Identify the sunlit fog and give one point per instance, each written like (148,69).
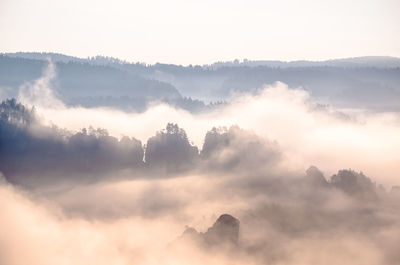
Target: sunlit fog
(112,160)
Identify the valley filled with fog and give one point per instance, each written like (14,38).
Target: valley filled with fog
(245,162)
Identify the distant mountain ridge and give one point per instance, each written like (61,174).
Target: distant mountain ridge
(363,61)
(371,82)
(91,85)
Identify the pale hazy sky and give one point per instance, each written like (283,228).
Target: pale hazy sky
(199,32)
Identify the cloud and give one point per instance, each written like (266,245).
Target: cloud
(46,154)
(40,92)
(235,149)
(136,221)
(126,201)
(30,149)
(306,131)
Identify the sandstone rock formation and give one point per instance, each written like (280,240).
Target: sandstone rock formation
(225,231)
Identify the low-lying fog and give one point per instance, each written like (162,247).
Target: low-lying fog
(124,193)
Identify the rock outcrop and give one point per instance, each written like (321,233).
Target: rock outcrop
(225,231)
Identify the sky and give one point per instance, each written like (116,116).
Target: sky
(201,32)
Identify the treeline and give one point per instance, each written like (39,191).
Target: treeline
(27,147)
(30,152)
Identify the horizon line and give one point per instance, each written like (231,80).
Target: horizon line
(235,60)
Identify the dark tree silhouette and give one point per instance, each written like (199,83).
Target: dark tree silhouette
(170,149)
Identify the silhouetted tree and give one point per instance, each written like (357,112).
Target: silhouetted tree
(170,149)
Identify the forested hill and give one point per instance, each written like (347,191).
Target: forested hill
(364,82)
